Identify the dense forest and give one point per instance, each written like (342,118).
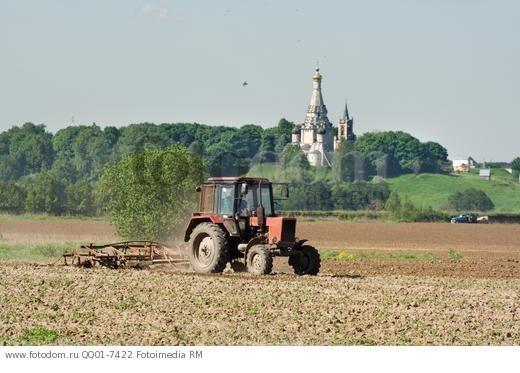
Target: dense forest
(58,173)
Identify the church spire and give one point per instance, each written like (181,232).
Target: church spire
(346,126)
(315,134)
(317,111)
(345,113)
(316,105)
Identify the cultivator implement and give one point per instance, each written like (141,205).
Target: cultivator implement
(236,223)
(125,254)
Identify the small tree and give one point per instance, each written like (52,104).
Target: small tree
(406,211)
(294,166)
(349,167)
(44,194)
(315,196)
(80,198)
(516,164)
(12,197)
(471,199)
(150,193)
(393,204)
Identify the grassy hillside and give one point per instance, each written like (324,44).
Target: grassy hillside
(434,189)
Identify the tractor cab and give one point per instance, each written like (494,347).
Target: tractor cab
(236,197)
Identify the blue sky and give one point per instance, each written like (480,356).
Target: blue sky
(446,71)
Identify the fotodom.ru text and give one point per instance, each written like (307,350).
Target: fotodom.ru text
(105,354)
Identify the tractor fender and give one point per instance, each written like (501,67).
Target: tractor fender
(196,220)
(252,242)
(299,244)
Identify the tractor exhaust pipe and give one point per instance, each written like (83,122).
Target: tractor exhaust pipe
(260,215)
(260,211)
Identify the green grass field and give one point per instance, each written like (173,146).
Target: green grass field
(342,255)
(46,217)
(434,189)
(44,252)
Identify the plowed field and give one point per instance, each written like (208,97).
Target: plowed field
(482,250)
(130,307)
(391,284)
(470,238)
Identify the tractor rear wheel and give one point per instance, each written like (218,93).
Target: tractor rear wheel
(259,260)
(208,248)
(306,262)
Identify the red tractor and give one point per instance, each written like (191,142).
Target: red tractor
(237,222)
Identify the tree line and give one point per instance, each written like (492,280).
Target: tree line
(42,172)
(81,152)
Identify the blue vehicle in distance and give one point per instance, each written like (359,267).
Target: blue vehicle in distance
(464,218)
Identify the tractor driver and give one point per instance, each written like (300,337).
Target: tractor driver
(246,205)
(244,211)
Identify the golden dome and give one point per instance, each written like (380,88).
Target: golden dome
(317,75)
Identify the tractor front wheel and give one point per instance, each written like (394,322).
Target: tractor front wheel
(208,248)
(306,261)
(259,260)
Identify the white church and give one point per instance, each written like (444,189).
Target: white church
(315,135)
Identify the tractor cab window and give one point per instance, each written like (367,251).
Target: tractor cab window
(226,198)
(248,203)
(207,197)
(266,200)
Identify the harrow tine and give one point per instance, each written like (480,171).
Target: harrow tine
(120,254)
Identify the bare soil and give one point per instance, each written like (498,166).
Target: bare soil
(486,250)
(463,268)
(56,231)
(64,305)
(472,299)
(343,235)
(437,237)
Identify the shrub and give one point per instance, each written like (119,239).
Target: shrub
(12,197)
(150,193)
(45,194)
(316,196)
(406,211)
(80,198)
(453,255)
(515,164)
(471,199)
(393,204)
(360,196)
